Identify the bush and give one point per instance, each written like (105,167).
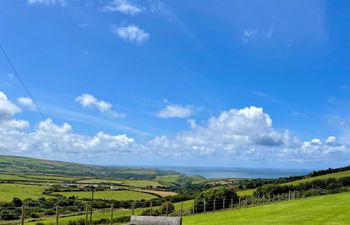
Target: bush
(167,207)
(217,193)
(155,212)
(34,215)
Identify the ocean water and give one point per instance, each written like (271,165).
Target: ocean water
(222,172)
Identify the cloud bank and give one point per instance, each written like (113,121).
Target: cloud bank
(244,134)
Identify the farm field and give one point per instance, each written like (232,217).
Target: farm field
(99,181)
(140,183)
(160,193)
(115,195)
(169,178)
(9,191)
(12,177)
(328,209)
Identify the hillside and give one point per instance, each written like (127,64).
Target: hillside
(320,177)
(16,164)
(307,178)
(327,209)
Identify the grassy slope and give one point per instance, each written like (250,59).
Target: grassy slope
(9,191)
(326,176)
(328,209)
(170,178)
(116,195)
(16,164)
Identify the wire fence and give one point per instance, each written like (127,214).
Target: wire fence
(91,216)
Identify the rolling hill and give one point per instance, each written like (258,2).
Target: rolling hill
(16,165)
(336,175)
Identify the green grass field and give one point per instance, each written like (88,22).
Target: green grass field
(246,192)
(141,183)
(321,210)
(116,195)
(99,181)
(12,177)
(9,191)
(170,178)
(309,179)
(326,176)
(49,178)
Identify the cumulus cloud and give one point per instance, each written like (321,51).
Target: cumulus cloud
(176,111)
(47,2)
(240,134)
(7,108)
(62,139)
(90,101)
(131,33)
(232,131)
(123,6)
(26,103)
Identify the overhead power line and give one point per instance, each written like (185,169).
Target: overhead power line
(26,89)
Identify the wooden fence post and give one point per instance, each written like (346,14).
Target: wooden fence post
(90,214)
(56,214)
(223,203)
(112,208)
(193,208)
(239,202)
(132,208)
(22,215)
(167,205)
(150,211)
(214,204)
(182,205)
(204,206)
(231,205)
(86,214)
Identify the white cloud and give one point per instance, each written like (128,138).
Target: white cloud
(233,130)
(123,6)
(255,34)
(176,111)
(331,140)
(14,124)
(47,2)
(131,33)
(88,100)
(26,103)
(7,108)
(61,139)
(239,134)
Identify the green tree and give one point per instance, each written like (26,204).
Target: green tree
(217,193)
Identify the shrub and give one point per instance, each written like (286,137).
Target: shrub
(217,193)
(167,207)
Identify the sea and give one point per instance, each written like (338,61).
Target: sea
(234,172)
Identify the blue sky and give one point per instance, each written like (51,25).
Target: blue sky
(224,83)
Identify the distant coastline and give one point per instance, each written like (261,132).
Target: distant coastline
(232,172)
